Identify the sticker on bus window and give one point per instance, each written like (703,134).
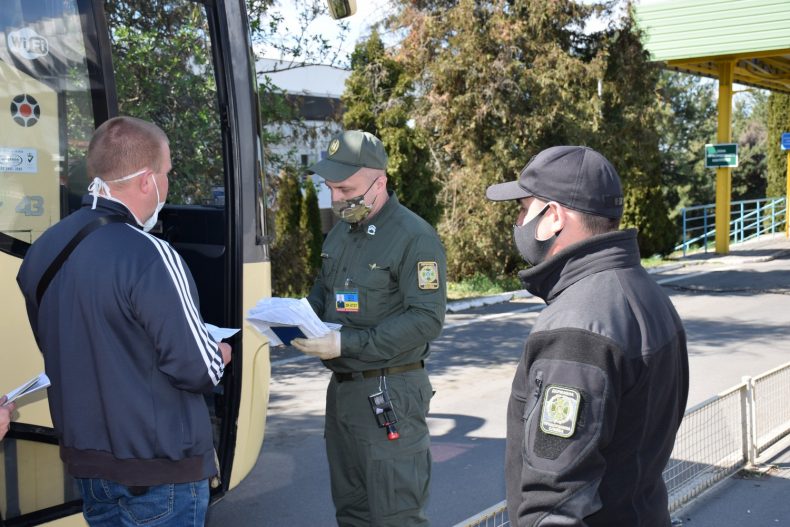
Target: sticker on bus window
(27,44)
(25,110)
(19,160)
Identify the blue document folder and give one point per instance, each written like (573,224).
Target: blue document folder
(288,333)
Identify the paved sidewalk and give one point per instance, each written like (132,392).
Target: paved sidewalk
(762,249)
(756,497)
(751,498)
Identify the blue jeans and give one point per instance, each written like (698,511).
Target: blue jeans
(110,504)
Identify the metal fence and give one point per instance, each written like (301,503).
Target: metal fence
(748,219)
(710,446)
(717,438)
(772,413)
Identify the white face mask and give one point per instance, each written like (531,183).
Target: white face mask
(150,222)
(100,187)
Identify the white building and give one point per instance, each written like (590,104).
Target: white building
(316,89)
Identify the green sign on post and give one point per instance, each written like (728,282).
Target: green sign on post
(721,155)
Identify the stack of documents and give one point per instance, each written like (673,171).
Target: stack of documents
(282,319)
(39,382)
(220,334)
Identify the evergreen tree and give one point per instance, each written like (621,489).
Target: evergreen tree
(289,265)
(311,227)
(629,140)
(499,81)
(778,123)
(379,99)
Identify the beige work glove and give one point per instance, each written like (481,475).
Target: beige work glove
(325,348)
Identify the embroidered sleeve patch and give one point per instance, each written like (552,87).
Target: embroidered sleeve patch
(560,411)
(428,275)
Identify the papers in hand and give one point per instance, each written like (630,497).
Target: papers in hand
(35,384)
(281,319)
(220,334)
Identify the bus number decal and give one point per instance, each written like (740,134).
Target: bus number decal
(31,206)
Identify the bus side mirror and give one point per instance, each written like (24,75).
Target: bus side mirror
(341,8)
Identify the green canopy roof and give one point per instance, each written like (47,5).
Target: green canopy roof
(696,35)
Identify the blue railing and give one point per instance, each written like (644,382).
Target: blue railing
(748,219)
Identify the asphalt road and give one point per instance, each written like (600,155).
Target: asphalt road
(735,314)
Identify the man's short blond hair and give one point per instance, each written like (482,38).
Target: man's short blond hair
(123,145)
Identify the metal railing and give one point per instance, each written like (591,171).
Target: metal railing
(710,445)
(717,438)
(772,413)
(748,219)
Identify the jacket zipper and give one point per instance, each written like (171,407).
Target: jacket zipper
(537,393)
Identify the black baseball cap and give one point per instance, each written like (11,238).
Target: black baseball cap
(574,176)
(348,152)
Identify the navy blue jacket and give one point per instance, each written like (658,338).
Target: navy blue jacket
(127,352)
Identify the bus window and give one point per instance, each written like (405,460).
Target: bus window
(46,119)
(164,73)
(66,66)
(46,113)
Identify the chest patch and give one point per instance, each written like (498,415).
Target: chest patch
(428,275)
(560,410)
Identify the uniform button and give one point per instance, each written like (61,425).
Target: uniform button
(344,269)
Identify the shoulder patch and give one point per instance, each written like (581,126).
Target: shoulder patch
(428,275)
(560,410)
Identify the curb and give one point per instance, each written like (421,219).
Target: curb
(462,305)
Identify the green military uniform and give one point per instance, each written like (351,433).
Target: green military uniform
(384,280)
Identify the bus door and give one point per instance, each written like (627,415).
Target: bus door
(66,66)
(187,65)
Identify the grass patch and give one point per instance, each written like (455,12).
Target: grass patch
(655,261)
(481,285)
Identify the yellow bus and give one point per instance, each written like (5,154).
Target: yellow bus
(66,66)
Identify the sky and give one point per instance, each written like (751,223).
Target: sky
(368,13)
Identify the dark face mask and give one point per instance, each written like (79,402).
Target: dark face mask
(355,209)
(533,251)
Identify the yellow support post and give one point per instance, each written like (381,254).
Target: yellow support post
(787,199)
(724,174)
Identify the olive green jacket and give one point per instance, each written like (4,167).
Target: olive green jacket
(384,280)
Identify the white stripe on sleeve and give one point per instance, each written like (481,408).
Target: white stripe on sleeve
(209,352)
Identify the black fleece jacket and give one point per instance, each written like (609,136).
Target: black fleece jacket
(599,392)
